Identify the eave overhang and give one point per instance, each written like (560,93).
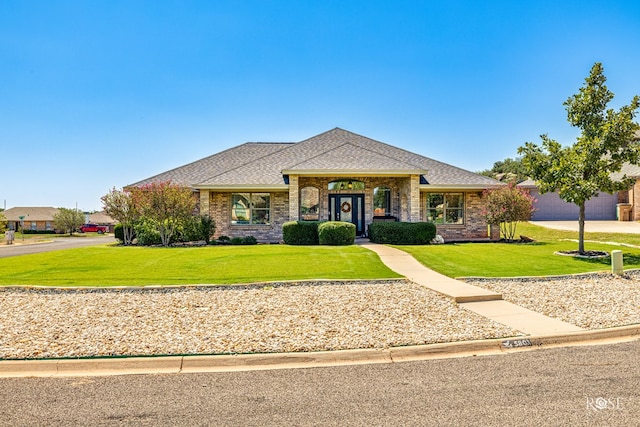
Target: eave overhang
(245,187)
(471,187)
(354,172)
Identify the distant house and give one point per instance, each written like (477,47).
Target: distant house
(41,218)
(101,218)
(254,188)
(35,218)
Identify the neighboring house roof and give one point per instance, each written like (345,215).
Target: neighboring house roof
(30,213)
(100,218)
(336,152)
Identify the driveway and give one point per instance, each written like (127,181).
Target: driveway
(629,227)
(53,245)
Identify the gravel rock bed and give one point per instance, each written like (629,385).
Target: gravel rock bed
(591,301)
(305,316)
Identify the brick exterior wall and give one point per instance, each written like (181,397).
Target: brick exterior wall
(474,227)
(220,211)
(407,204)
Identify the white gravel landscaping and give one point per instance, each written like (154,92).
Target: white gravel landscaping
(305,316)
(591,301)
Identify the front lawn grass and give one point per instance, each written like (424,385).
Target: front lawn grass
(530,259)
(136,266)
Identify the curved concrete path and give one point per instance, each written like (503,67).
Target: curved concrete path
(473,298)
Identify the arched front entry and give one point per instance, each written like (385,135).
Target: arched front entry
(348,208)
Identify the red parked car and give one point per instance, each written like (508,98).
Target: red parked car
(93,228)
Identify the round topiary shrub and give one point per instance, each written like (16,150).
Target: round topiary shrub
(300,232)
(336,233)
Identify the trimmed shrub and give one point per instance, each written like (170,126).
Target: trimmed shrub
(118,232)
(402,233)
(336,233)
(147,233)
(236,241)
(300,232)
(249,240)
(38,232)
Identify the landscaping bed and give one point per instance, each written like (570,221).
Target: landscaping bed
(276,317)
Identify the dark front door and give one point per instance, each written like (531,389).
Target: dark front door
(347,208)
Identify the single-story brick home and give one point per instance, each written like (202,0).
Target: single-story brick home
(41,218)
(36,218)
(254,188)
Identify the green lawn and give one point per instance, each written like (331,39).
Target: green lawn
(125,266)
(531,259)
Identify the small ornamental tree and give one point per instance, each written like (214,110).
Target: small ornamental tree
(68,220)
(166,205)
(605,144)
(118,204)
(3,222)
(506,206)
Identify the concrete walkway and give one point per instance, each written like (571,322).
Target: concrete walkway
(630,227)
(473,298)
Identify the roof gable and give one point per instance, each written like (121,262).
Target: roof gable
(337,151)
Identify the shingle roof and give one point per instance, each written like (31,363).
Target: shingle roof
(30,213)
(263,164)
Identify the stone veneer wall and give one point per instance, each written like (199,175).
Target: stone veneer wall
(219,207)
(220,211)
(474,227)
(398,186)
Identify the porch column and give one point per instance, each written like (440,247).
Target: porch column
(204,202)
(294,199)
(414,202)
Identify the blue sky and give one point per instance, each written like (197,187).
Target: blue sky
(101,94)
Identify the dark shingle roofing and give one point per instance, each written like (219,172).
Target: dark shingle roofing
(337,150)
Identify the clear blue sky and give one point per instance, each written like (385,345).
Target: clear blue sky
(97,94)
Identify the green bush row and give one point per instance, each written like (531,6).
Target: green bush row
(194,229)
(317,232)
(402,233)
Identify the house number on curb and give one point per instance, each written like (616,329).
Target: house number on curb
(516,343)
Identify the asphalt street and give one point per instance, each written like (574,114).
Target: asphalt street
(589,385)
(54,245)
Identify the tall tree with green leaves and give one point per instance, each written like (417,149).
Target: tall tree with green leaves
(68,220)
(605,144)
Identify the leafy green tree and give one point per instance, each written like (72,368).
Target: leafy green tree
(68,220)
(118,204)
(605,144)
(506,206)
(166,205)
(3,221)
(508,170)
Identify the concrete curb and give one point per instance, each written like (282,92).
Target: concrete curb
(249,362)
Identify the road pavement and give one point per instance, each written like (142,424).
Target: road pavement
(589,385)
(55,244)
(632,227)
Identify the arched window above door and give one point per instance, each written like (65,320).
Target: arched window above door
(346,184)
